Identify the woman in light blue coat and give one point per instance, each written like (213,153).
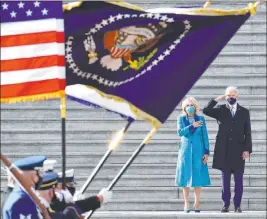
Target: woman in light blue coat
(192,169)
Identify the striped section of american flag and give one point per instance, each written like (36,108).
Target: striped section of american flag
(32,50)
(119,53)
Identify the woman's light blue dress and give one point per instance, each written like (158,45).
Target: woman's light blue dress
(194,143)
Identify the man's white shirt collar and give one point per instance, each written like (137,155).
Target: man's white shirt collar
(232,106)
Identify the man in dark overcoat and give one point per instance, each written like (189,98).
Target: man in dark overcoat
(233,143)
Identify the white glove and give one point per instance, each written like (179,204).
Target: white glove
(78,196)
(106,195)
(67,196)
(60,196)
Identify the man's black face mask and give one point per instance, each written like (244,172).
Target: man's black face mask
(39,182)
(71,189)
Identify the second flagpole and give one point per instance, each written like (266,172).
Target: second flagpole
(63,136)
(127,164)
(114,143)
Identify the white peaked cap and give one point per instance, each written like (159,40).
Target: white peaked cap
(48,165)
(68,173)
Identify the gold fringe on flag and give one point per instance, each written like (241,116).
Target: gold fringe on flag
(140,114)
(126,5)
(45,96)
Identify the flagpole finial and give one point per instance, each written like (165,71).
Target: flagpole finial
(71,5)
(258,3)
(207,4)
(150,135)
(253,7)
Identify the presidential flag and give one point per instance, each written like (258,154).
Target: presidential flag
(32,50)
(141,64)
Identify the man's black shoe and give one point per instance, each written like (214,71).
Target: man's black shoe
(225,209)
(238,210)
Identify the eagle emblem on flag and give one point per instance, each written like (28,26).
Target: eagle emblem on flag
(122,43)
(109,47)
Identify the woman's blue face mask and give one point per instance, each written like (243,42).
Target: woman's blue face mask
(190,109)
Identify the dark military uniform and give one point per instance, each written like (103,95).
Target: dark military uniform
(88,204)
(19,205)
(5,196)
(85,205)
(70,211)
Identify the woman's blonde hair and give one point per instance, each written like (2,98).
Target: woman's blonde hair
(191,100)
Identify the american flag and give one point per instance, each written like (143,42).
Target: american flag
(32,50)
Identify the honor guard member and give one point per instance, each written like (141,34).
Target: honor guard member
(11,181)
(69,181)
(47,194)
(57,203)
(49,165)
(84,204)
(19,205)
(10,185)
(63,198)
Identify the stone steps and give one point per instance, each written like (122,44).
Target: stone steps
(256,40)
(49,105)
(143,158)
(236,68)
(234,57)
(166,204)
(81,112)
(244,44)
(216,89)
(150,193)
(80,124)
(100,146)
(225,3)
(252,36)
(138,127)
(155,180)
(108,117)
(189,2)
(258,116)
(176,215)
(229,5)
(147,190)
(139,193)
(84,134)
(152,169)
(218,79)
